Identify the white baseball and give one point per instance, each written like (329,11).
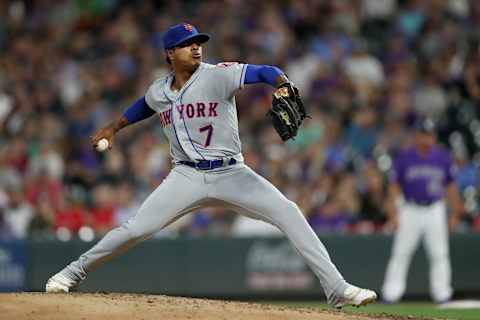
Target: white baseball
(102,145)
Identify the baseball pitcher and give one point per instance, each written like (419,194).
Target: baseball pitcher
(422,177)
(196,108)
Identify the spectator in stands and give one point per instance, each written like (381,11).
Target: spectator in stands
(125,204)
(366,72)
(42,223)
(18,213)
(372,196)
(103,208)
(70,214)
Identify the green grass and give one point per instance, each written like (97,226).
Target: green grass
(416,309)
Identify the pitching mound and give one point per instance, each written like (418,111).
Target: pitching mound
(114,306)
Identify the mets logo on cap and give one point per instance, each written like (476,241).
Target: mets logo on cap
(182,32)
(188,27)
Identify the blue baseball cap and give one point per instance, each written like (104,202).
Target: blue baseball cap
(180,33)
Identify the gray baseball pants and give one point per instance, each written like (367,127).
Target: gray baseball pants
(237,187)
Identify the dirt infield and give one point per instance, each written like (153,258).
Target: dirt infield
(114,306)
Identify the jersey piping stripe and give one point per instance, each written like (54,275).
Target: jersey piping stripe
(189,83)
(175,131)
(236,139)
(188,134)
(242,76)
(173,121)
(184,124)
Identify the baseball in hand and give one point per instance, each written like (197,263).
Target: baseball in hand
(102,145)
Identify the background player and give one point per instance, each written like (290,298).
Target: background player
(421,177)
(197,111)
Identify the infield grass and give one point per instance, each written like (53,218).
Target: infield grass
(418,310)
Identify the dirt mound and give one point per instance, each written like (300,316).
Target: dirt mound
(114,306)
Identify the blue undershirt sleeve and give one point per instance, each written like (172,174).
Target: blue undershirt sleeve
(138,111)
(262,74)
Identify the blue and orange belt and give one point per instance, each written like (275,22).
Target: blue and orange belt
(209,164)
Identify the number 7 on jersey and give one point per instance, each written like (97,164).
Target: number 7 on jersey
(209,130)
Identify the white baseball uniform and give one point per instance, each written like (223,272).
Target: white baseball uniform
(200,122)
(422,215)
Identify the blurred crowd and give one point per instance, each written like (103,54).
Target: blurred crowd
(366,69)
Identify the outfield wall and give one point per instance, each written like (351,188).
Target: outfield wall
(240,268)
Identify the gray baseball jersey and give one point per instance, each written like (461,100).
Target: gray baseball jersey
(200,120)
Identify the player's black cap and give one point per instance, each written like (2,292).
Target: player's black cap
(180,33)
(425,125)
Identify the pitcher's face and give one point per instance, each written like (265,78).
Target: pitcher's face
(187,55)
